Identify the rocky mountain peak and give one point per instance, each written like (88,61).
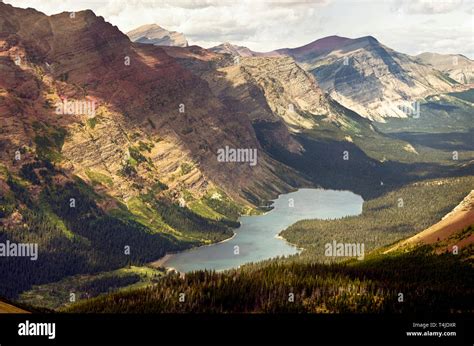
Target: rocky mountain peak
(158,36)
(232,49)
(364,75)
(455,66)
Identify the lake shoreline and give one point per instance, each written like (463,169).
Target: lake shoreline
(161,262)
(278,236)
(259,236)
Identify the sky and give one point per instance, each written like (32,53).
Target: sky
(408,26)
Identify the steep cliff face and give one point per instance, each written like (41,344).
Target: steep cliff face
(456,66)
(368,77)
(295,121)
(146,106)
(108,145)
(158,36)
(290,93)
(275,93)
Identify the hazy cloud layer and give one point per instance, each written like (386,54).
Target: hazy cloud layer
(410,26)
(427,6)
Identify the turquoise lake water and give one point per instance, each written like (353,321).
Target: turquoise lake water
(256,239)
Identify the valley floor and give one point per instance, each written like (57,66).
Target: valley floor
(423,271)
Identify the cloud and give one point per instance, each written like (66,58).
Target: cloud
(264,25)
(426,6)
(193,4)
(295,3)
(446,39)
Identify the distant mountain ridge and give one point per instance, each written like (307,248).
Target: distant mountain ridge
(320,46)
(368,77)
(158,36)
(232,49)
(371,79)
(456,66)
(229,48)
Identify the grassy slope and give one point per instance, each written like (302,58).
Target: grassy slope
(6,308)
(58,294)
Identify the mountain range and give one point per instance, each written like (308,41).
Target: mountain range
(110,140)
(388,82)
(369,78)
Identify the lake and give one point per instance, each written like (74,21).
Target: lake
(256,239)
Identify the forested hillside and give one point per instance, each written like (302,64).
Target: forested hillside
(102,194)
(76,234)
(413,282)
(393,216)
(421,278)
